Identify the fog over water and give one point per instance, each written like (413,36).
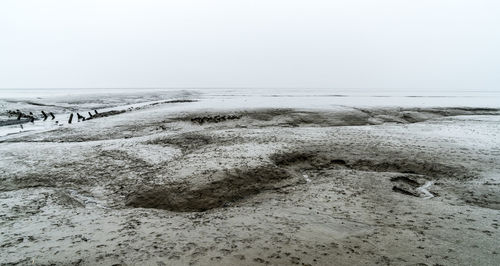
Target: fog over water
(395,44)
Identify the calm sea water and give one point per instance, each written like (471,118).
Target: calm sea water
(303,98)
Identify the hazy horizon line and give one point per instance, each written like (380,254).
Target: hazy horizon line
(236,87)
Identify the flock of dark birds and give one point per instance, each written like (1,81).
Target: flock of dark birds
(214,119)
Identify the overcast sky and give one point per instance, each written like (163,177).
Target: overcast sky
(452,44)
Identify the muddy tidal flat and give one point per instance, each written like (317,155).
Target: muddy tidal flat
(249,177)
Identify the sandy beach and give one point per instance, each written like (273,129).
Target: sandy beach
(220,177)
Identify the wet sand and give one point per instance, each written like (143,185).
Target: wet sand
(251,186)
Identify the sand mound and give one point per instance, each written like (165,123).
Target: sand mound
(234,185)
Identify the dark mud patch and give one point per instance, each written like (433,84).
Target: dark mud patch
(269,117)
(231,186)
(40,104)
(461,110)
(177,101)
(405,185)
(305,160)
(106,114)
(406,180)
(412,166)
(405,191)
(187,142)
(13,122)
(296,118)
(214,119)
(321,159)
